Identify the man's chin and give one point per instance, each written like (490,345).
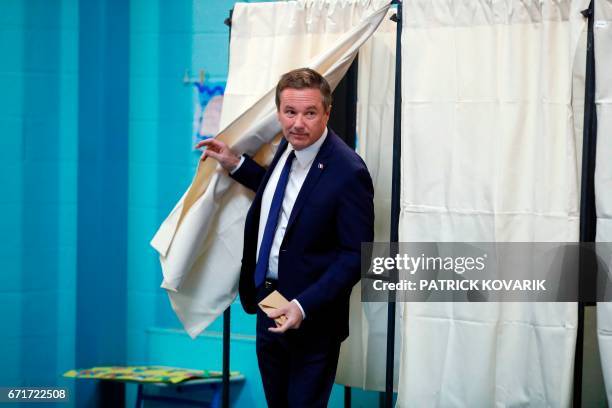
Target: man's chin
(298,142)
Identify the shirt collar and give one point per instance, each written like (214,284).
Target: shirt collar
(307,154)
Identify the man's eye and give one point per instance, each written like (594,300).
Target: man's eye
(310,114)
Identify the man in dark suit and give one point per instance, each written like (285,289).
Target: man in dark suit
(312,209)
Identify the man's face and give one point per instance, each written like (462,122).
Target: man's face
(302,116)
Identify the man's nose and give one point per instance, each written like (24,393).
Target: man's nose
(299,121)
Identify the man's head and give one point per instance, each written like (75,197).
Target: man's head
(303,102)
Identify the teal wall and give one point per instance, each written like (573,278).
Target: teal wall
(102,193)
(167,39)
(95,150)
(38,176)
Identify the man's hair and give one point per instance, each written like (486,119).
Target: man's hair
(303,78)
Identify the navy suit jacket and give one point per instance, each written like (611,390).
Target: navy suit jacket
(319,259)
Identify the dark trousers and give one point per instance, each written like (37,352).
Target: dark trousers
(297,369)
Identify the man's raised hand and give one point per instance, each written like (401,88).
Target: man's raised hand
(220,152)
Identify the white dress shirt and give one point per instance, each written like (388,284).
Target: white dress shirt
(299,169)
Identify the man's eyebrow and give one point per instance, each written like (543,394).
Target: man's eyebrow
(313,107)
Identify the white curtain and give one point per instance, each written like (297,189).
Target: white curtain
(362,357)
(603,168)
(200,243)
(489,153)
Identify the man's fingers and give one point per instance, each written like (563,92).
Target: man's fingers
(282,328)
(212,144)
(209,141)
(203,143)
(273,314)
(290,319)
(220,152)
(211,153)
(280,319)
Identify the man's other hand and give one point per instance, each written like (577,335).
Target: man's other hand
(220,152)
(294,317)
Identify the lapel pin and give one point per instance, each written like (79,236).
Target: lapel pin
(321,166)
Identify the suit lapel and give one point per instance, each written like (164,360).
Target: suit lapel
(317,168)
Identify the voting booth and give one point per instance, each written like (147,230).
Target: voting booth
(479,121)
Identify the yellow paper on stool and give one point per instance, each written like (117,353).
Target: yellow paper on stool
(274,301)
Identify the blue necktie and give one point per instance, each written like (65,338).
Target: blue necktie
(268,237)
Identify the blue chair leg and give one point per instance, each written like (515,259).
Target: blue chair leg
(139,397)
(216,399)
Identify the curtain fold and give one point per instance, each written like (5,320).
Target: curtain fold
(361,363)
(602,31)
(489,153)
(200,242)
